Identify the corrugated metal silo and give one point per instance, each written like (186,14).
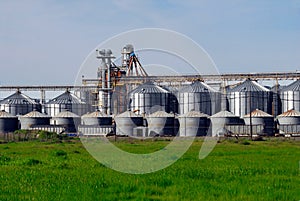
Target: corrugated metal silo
(34,118)
(259,117)
(199,96)
(161,123)
(19,104)
(221,119)
(8,122)
(194,123)
(248,96)
(290,117)
(148,98)
(289,122)
(67,119)
(126,122)
(277,104)
(290,96)
(66,102)
(96,119)
(173,99)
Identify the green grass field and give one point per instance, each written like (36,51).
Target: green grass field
(267,170)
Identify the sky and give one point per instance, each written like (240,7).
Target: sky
(45,42)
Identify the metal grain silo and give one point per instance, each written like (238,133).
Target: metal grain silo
(96,119)
(19,104)
(126,122)
(221,119)
(148,98)
(161,123)
(290,96)
(290,117)
(34,118)
(248,96)
(8,122)
(66,102)
(193,123)
(66,119)
(259,117)
(199,96)
(276,104)
(289,122)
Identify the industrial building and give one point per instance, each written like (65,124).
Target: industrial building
(125,100)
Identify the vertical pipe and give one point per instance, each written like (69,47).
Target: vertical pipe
(108,85)
(43,98)
(251,131)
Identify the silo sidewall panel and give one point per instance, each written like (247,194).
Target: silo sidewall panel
(8,125)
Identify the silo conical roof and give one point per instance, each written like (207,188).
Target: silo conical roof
(222,114)
(36,114)
(66,98)
(128,114)
(161,114)
(18,98)
(248,85)
(95,114)
(290,113)
(194,114)
(197,87)
(66,114)
(295,86)
(258,113)
(149,87)
(4,114)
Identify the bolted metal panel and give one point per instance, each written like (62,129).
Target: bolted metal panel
(199,97)
(290,96)
(249,96)
(148,98)
(66,102)
(19,104)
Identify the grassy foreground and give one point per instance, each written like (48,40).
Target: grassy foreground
(266,170)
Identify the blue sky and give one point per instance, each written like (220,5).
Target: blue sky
(45,42)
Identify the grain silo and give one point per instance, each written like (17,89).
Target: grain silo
(126,122)
(34,118)
(148,98)
(248,96)
(193,123)
(96,118)
(96,123)
(290,117)
(264,119)
(67,119)
(199,96)
(290,97)
(66,102)
(220,120)
(289,122)
(276,104)
(19,104)
(161,123)
(8,122)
